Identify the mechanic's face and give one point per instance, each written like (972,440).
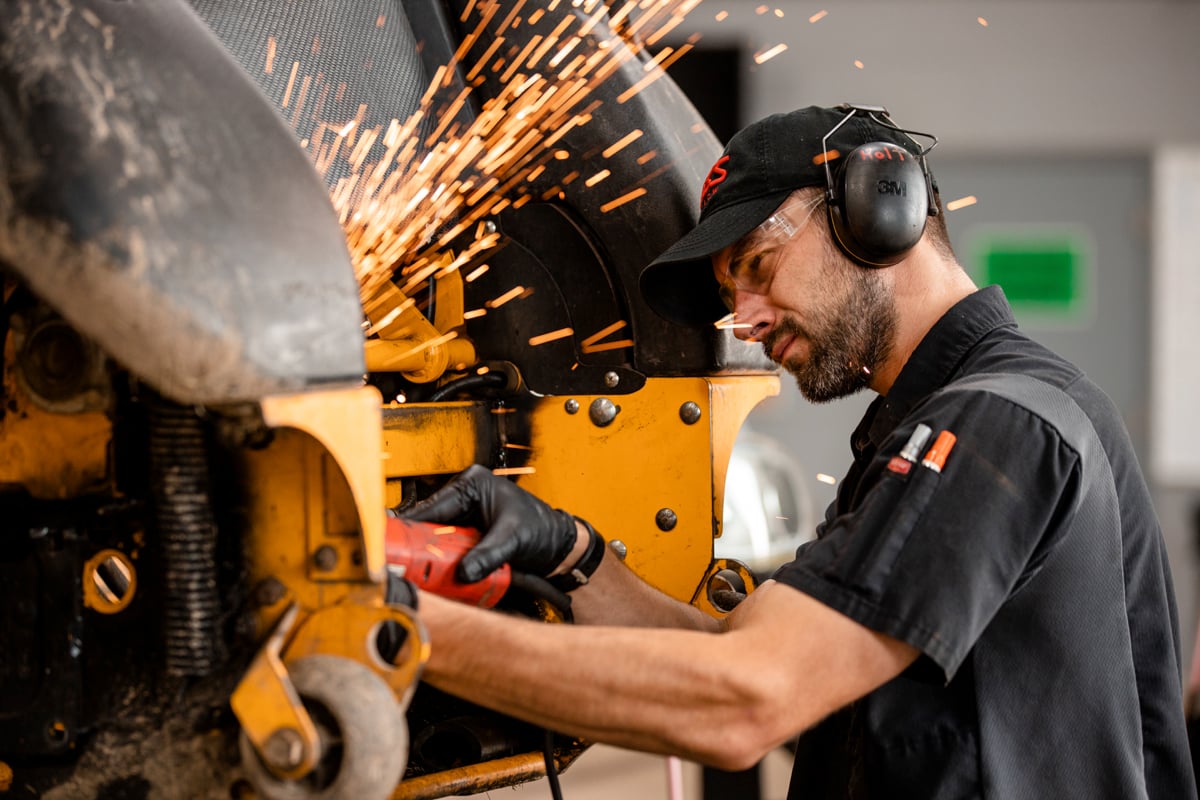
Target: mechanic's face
(827,321)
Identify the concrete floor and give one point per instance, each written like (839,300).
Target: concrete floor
(604,773)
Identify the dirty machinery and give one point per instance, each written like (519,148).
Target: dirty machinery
(198,444)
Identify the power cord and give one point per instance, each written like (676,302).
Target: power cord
(551,768)
(561,602)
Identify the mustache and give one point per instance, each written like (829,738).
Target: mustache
(786,328)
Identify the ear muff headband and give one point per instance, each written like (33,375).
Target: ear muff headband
(880,194)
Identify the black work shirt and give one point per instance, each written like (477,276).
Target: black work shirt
(1030,573)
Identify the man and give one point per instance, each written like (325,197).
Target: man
(994,620)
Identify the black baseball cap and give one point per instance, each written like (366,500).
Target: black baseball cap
(762,164)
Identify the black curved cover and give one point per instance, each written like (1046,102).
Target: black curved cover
(154,197)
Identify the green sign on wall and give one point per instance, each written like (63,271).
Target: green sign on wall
(1045,274)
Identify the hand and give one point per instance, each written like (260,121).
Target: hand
(518,528)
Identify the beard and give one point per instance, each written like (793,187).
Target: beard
(847,340)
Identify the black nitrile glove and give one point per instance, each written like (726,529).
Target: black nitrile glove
(517,527)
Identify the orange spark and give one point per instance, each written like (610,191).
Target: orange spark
(270,65)
(404,208)
(767,55)
(722,16)
(817,17)
(858,63)
(514,471)
(600,348)
(621,143)
(622,200)
(552,336)
(600,334)
(728,322)
(982,21)
(599,176)
(962,202)
(504,298)
(287,93)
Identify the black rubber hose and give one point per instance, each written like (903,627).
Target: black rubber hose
(541,589)
(487,379)
(551,770)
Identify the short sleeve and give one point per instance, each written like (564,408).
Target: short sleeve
(928,557)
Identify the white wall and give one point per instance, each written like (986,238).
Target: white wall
(1044,76)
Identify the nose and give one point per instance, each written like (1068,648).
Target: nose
(751,316)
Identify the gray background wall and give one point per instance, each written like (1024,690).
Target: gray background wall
(1049,115)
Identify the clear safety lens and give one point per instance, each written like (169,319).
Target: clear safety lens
(755,260)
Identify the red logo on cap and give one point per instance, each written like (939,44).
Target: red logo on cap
(716,176)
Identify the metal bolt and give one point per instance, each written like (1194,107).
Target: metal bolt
(666,519)
(572,406)
(611,379)
(325,558)
(489,226)
(618,547)
(689,412)
(284,749)
(269,592)
(603,411)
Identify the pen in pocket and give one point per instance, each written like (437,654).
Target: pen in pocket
(902,463)
(935,458)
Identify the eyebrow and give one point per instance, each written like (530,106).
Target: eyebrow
(740,264)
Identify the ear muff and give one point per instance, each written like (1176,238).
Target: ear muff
(879,196)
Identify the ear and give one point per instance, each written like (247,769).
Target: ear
(879,203)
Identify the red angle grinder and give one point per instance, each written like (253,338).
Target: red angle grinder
(429,555)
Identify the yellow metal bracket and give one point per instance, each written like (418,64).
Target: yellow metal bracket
(351,629)
(265,701)
(348,423)
(407,342)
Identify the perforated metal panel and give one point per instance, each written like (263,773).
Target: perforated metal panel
(325,63)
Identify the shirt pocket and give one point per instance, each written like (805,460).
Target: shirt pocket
(889,524)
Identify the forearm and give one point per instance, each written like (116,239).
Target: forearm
(725,699)
(615,595)
(671,692)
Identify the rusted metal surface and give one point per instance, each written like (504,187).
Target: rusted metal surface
(484,777)
(155,199)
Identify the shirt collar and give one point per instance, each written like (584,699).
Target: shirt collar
(933,363)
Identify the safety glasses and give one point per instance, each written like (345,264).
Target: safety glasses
(756,258)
